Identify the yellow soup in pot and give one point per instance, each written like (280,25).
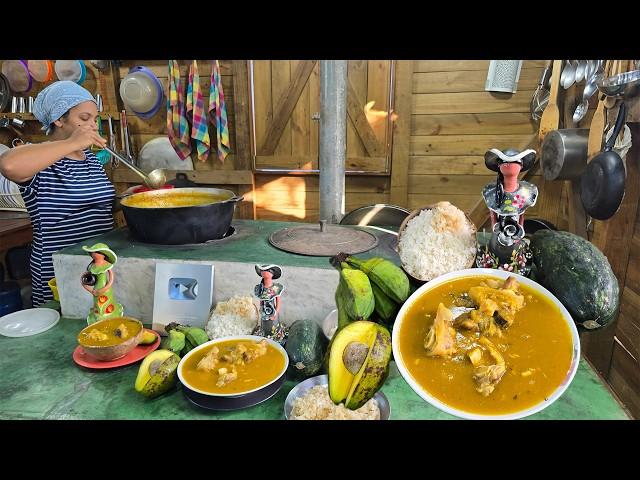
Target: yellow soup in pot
(233,366)
(176,199)
(537,349)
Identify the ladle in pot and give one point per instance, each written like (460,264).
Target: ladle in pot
(155,179)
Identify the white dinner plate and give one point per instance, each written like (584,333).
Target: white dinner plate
(28,322)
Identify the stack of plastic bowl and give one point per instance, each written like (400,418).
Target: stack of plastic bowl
(73,70)
(141,91)
(18,75)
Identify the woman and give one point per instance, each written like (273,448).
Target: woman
(66,191)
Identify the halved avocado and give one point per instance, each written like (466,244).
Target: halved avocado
(348,346)
(157,373)
(374,372)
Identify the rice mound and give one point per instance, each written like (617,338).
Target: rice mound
(236,316)
(317,405)
(437,241)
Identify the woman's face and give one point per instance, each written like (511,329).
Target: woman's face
(85,113)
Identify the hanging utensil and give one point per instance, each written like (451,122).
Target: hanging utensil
(568,74)
(112,142)
(540,97)
(155,179)
(582,108)
(551,115)
(602,182)
(581,69)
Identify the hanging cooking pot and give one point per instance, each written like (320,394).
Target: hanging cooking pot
(602,182)
(179,216)
(564,153)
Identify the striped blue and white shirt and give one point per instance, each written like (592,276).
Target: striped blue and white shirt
(68,202)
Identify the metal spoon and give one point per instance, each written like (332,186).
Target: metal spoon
(581,70)
(155,179)
(568,75)
(589,89)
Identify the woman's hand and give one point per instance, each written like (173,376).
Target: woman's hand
(84,136)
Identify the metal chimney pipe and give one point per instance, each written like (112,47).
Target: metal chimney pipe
(333,138)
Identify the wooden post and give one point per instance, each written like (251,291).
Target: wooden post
(243,152)
(401,129)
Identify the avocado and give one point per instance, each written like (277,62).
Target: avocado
(148,337)
(359,358)
(157,373)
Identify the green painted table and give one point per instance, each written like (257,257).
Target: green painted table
(41,381)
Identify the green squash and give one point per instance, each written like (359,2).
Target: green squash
(579,275)
(306,346)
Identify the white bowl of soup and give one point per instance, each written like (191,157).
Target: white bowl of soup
(250,363)
(512,352)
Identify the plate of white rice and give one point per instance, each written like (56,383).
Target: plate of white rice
(435,240)
(236,316)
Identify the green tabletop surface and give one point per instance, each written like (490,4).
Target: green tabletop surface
(250,244)
(40,380)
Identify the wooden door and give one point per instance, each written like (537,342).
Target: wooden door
(286,107)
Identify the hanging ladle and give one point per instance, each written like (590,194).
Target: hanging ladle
(155,179)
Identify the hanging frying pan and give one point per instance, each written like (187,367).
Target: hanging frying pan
(602,181)
(5,93)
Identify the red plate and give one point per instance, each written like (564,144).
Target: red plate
(138,353)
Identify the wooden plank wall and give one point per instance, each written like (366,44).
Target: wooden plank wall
(454,121)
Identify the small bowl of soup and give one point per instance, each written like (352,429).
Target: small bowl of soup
(112,338)
(233,367)
(486,344)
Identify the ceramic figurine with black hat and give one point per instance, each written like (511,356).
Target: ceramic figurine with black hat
(507,199)
(268,294)
(98,281)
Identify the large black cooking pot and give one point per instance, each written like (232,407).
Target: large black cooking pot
(179,216)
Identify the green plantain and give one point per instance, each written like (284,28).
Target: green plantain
(195,335)
(174,342)
(385,307)
(356,292)
(384,273)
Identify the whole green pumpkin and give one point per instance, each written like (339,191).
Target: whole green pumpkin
(579,275)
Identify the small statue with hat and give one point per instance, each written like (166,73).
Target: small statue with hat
(98,280)
(268,294)
(507,199)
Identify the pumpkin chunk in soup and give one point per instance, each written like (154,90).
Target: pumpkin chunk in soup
(489,374)
(233,366)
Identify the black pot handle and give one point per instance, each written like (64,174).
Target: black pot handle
(622,114)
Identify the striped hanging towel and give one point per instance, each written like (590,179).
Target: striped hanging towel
(177,124)
(218,110)
(198,114)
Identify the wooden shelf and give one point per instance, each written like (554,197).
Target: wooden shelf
(29,116)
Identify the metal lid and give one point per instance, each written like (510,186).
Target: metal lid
(323,241)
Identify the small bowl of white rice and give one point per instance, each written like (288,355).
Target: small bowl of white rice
(435,240)
(309,400)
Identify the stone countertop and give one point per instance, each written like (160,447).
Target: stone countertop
(41,381)
(250,244)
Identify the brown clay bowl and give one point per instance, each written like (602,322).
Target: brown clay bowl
(413,214)
(107,353)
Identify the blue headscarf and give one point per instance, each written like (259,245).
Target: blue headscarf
(57,99)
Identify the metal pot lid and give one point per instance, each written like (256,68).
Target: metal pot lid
(323,240)
(5,92)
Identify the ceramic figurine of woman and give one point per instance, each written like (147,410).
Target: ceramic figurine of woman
(507,199)
(268,294)
(98,280)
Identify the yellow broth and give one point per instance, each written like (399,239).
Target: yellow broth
(108,327)
(539,338)
(252,375)
(175,199)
